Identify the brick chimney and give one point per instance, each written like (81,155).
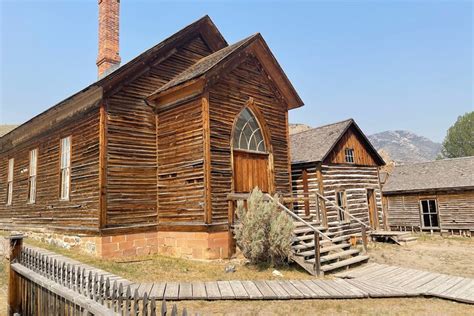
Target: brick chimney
(108,58)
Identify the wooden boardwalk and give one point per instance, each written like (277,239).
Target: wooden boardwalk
(371,280)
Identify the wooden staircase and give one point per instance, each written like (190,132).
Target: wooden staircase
(335,252)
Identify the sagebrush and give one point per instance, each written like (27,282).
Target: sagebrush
(264,232)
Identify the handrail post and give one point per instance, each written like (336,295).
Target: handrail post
(14,296)
(231,220)
(317,254)
(364,237)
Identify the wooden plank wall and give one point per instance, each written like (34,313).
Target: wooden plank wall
(80,213)
(227,98)
(297,187)
(355,180)
(351,140)
(456,209)
(180,164)
(132,146)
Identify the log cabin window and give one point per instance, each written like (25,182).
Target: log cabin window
(349,155)
(247,133)
(429,213)
(65,172)
(32,176)
(341,202)
(11,163)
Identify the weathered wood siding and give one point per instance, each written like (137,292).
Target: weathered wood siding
(180,164)
(80,213)
(297,186)
(227,99)
(351,139)
(354,180)
(132,184)
(455,209)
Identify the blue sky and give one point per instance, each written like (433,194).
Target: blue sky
(388,64)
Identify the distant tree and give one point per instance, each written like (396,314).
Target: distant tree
(459,141)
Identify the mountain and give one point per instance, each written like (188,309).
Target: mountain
(5,128)
(404,146)
(296,128)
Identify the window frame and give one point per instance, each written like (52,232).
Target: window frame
(429,213)
(239,133)
(32,177)
(341,215)
(349,153)
(65,171)
(10,178)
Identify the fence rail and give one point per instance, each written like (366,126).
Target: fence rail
(42,285)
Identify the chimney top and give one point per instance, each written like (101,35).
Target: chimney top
(108,58)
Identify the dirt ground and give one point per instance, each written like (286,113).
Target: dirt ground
(451,255)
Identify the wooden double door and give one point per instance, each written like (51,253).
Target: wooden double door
(250,171)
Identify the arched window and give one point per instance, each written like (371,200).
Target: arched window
(247,133)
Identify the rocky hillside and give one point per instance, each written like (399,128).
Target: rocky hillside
(296,128)
(5,128)
(404,146)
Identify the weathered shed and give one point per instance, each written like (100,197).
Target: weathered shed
(436,195)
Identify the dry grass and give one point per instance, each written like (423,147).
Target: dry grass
(450,255)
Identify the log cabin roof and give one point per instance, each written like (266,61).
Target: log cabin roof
(315,144)
(438,175)
(214,64)
(91,95)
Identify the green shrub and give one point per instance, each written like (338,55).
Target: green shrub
(264,233)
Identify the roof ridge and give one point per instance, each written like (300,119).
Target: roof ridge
(322,126)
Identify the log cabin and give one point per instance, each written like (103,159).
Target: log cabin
(339,163)
(142,160)
(432,196)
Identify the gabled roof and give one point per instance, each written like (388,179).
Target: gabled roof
(215,63)
(314,145)
(92,94)
(438,175)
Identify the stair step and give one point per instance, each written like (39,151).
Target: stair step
(306,229)
(301,224)
(311,237)
(323,249)
(336,255)
(344,263)
(334,240)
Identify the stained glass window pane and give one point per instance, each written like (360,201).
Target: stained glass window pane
(247,133)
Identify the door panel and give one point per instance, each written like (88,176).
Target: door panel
(250,170)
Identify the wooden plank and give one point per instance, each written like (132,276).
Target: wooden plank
(266,291)
(158,290)
(171,291)
(324,285)
(252,290)
(371,290)
(307,293)
(226,290)
(357,292)
(448,284)
(278,290)
(422,281)
(185,291)
(199,290)
(145,288)
(239,290)
(459,288)
(212,290)
(425,288)
(319,292)
(291,289)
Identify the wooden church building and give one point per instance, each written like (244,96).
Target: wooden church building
(142,160)
(338,162)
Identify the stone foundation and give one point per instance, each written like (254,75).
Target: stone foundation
(191,245)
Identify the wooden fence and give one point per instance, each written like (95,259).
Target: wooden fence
(41,285)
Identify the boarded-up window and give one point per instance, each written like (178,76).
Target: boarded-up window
(32,176)
(349,155)
(11,163)
(65,174)
(429,213)
(341,202)
(247,133)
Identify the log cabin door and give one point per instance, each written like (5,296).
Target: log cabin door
(250,155)
(373,218)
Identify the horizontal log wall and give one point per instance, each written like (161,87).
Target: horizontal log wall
(298,190)
(354,180)
(132,146)
(80,213)
(227,99)
(455,209)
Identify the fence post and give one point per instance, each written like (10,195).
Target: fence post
(14,302)
(364,237)
(317,254)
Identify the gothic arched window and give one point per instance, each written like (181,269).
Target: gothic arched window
(247,133)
